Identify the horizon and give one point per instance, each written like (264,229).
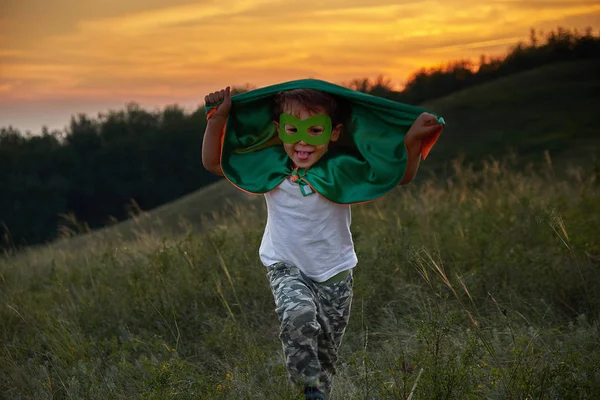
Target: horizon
(93,57)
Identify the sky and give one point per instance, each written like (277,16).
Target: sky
(63,57)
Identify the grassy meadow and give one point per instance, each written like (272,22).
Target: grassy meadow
(478,281)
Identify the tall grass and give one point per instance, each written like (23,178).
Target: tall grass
(483,285)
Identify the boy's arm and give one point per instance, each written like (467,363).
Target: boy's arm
(211,145)
(413,147)
(424,127)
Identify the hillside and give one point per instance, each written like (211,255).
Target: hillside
(551,108)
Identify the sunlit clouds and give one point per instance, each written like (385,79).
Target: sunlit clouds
(156,55)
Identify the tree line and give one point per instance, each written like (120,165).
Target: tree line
(98,169)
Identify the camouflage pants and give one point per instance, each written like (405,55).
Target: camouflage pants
(313,319)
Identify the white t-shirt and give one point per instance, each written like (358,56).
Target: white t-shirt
(308,232)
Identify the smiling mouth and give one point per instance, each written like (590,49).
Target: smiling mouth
(303,155)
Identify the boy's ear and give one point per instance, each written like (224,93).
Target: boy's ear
(276,123)
(336,132)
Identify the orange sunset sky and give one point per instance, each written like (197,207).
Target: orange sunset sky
(61,57)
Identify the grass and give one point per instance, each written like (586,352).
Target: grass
(477,282)
(484,285)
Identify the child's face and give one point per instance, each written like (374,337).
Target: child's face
(304,155)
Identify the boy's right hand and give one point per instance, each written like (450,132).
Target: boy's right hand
(223,96)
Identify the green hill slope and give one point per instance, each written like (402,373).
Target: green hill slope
(551,108)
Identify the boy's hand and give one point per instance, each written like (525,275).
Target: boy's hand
(425,126)
(418,140)
(223,96)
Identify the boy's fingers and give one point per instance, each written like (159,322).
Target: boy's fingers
(428,119)
(434,129)
(215,97)
(226,96)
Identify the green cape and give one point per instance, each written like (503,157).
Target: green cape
(366,163)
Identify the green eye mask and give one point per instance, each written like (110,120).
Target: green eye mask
(314,130)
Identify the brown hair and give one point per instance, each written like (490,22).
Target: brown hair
(313,100)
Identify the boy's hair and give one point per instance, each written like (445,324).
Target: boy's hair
(313,100)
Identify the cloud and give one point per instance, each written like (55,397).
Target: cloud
(152,20)
(183,50)
(6,87)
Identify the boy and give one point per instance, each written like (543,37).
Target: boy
(307,245)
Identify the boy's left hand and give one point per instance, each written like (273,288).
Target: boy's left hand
(425,126)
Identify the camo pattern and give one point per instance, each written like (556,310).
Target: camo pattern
(313,319)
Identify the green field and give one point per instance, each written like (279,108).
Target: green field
(478,281)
